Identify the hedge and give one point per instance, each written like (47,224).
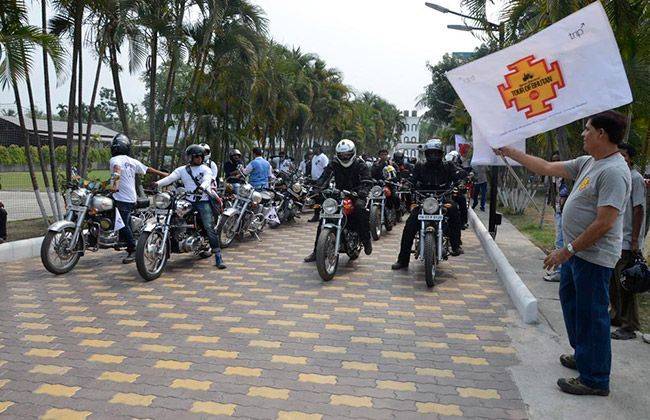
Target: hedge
(15,155)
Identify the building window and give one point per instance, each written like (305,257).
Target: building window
(413,139)
(406,139)
(414,127)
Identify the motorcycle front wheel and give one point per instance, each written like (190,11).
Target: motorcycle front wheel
(227,230)
(151,255)
(430,258)
(375,222)
(327,260)
(56,256)
(390,219)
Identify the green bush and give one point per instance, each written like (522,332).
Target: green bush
(15,155)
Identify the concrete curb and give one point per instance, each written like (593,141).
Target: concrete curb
(523,299)
(18,250)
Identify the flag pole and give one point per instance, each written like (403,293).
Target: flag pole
(519,181)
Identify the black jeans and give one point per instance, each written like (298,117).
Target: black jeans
(126,234)
(412,226)
(461,200)
(358,221)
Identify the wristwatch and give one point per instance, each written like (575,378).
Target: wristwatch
(569,248)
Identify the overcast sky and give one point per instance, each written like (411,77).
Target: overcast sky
(379,45)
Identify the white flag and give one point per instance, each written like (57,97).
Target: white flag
(272,216)
(119,223)
(484,154)
(570,70)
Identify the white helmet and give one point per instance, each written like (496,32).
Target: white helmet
(452,156)
(206,147)
(346,151)
(433,144)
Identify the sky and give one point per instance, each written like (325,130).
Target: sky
(379,45)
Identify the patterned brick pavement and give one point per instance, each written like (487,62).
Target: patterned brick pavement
(263,339)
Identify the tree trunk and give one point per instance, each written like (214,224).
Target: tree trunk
(80,151)
(91,108)
(30,163)
(152,97)
(646,147)
(562,143)
(71,99)
(41,155)
(48,110)
(115,71)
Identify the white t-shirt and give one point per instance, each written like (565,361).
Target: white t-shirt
(202,173)
(286,165)
(129,167)
(318,164)
(214,169)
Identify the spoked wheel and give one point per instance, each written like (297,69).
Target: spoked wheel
(327,260)
(227,230)
(375,222)
(390,219)
(151,255)
(430,258)
(56,255)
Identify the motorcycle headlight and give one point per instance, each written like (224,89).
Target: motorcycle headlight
(430,205)
(376,191)
(78,196)
(162,200)
(330,206)
(256,198)
(297,188)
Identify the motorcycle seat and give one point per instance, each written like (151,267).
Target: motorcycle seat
(142,203)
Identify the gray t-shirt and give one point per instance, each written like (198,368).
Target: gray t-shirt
(481,174)
(637,198)
(598,183)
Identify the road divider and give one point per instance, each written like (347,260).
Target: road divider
(18,250)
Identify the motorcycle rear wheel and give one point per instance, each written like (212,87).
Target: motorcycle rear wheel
(148,242)
(430,258)
(327,260)
(53,240)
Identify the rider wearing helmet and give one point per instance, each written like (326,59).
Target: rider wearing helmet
(404,168)
(197,179)
(231,167)
(351,174)
(208,161)
(434,174)
(124,169)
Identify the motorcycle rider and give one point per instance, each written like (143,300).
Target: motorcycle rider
(404,169)
(197,178)
(231,169)
(461,197)
(350,173)
(260,170)
(208,161)
(379,165)
(433,174)
(123,169)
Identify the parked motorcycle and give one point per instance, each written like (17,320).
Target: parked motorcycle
(248,214)
(432,245)
(89,224)
(381,211)
(175,228)
(336,236)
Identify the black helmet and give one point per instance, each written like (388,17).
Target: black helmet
(398,157)
(120,145)
(234,152)
(636,278)
(194,150)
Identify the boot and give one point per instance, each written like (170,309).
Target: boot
(310,258)
(130,257)
(457,251)
(367,246)
(218,260)
(399,266)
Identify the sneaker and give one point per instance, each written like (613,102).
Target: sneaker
(553,277)
(576,387)
(568,361)
(399,266)
(623,334)
(457,251)
(130,257)
(367,247)
(218,260)
(482,208)
(310,258)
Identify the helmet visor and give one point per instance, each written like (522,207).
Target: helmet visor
(345,156)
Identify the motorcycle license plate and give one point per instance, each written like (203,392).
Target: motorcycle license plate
(162,212)
(433,217)
(331,216)
(77,208)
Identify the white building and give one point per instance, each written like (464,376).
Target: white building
(410,138)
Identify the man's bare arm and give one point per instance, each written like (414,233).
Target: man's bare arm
(157,172)
(535,164)
(605,219)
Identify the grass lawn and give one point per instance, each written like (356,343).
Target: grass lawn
(22,181)
(25,229)
(544,238)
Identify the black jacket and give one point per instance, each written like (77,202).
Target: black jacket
(430,176)
(404,170)
(377,170)
(350,178)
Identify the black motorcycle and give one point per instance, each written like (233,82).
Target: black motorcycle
(175,228)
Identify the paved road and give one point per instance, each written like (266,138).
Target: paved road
(263,339)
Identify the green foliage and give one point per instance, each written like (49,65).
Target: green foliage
(15,155)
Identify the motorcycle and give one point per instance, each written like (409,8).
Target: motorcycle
(248,214)
(175,228)
(381,211)
(89,224)
(336,236)
(287,192)
(432,244)
(404,195)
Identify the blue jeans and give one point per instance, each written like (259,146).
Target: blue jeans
(584,295)
(205,211)
(126,233)
(482,189)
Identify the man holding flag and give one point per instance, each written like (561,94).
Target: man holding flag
(592,223)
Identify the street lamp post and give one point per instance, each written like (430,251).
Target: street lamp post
(495,218)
